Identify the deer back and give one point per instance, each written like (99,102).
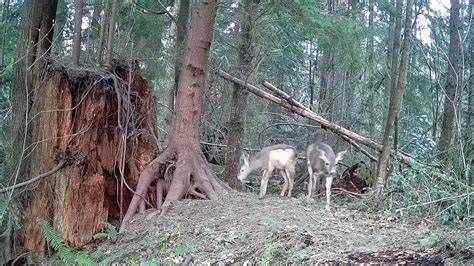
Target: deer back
(279,156)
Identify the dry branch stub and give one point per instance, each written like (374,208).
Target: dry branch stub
(107,120)
(293,106)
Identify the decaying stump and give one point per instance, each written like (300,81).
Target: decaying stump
(104,125)
(350,180)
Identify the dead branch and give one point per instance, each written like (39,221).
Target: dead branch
(34,179)
(358,147)
(283,95)
(348,192)
(313,116)
(465,195)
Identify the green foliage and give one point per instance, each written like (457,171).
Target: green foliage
(246,238)
(272,254)
(110,233)
(182,251)
(65,253)
(162,246)
(152,262)
(429,242)
(424,191)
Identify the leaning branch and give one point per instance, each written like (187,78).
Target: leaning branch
(34,179)
(359,148)
(305,112)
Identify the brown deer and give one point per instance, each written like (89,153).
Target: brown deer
(282,157)
(322,163)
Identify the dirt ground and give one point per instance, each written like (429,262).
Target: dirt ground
(241,229)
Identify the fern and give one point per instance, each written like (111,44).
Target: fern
(65,253)
(110,233)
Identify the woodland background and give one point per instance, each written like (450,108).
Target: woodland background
(357,64)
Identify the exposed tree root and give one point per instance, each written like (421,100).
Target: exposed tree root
(192,176)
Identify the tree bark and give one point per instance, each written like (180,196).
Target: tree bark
(5,15)
(192,174)
(180,45)
(103,31)
(396,97)
(33,52)
(90,129)
(469,130)
(76,43)
(371,72)
(109,51)
(452,90)
(239,95)
(390,52)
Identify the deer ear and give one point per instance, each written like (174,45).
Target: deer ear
(244,159)
(323,156)
(340,155)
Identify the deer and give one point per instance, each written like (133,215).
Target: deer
(282,157)
(322,163)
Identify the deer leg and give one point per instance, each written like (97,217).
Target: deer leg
(285,184)
(291,180)
(264,182)
(317,180)
(328,191)
(310,182)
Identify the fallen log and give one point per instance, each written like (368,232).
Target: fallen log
(306,112)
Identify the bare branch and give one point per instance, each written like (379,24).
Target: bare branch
(34,179)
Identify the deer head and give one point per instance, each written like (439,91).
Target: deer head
(244,169)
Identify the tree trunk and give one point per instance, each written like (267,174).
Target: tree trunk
(396,95)
(390,52)
(452,90)
(109,51)
(33,52)
(103,31)
(192,174)
(76,43)
(371,72)
(311,75)
(181,31)
(327,74)
(239,95)
(5,15)
(469,130)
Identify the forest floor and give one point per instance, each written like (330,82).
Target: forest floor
(242,229)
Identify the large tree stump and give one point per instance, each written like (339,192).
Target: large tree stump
(105,125)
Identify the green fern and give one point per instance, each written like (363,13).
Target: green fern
(110,233)
(65,253)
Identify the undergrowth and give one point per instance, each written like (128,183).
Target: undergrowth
(425,192)
(69,256)
(64,252)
